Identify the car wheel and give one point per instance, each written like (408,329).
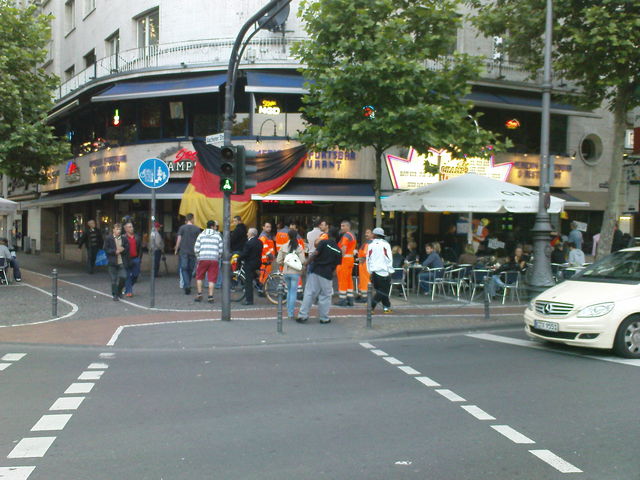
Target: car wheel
(627,342)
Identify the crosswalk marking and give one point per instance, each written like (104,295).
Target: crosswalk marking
(409,370)
(15,473)
(451,396)
(31,447)
(91,375)
(392,360)
(51,422)
(12,357)
(477,412)
(513,435)
(555,461)
(427,382)
(79,388)
(67,403)
(2,367)
(380,353)
(100,366)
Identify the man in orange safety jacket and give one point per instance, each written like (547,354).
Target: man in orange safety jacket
(268,251)
(344,271)
(363,273)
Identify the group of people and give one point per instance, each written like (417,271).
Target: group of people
(9,259)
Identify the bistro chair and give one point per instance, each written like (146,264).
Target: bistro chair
(511,282)
(478,278)
(399,279)
(433,279)
(454,279)
(4,265)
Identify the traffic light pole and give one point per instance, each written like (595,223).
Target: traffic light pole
(232,70)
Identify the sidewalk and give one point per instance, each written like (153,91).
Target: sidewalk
(86,314)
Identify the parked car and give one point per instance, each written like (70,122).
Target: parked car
(598,307)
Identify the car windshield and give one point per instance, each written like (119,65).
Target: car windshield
(622,267)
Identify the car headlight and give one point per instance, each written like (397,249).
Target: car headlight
(596,310)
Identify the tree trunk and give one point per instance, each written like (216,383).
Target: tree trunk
(616,185)
(377,187)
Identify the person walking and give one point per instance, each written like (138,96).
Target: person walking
(185,243)
(156,244)
(116,246)
(208,248)
(290,269)
(380,267)
(92,239)
(344,271)
(363,274)
(251,257)
(238,236)
(320,278)
(134,256)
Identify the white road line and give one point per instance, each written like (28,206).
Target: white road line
(114,338)
(100,366)
(555,461)
(409,370)
(477,412)
(91,375)
(107,355)
(15,473)
(66,403)
(79,388)
(511,434)
(31,447)
(451,396)
(427,381)
(392,360)
(13,357)
(74,309)
(380,353)
(2,367)
(538,346)
(367,345)
(51,422)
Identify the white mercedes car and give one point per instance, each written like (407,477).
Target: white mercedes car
(598,307)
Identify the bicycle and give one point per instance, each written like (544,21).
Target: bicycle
(269,289)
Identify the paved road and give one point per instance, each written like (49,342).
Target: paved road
(465,405)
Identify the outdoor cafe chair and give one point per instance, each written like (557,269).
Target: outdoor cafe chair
(453,278)
(399,279)
(4,265)
(433,279)
(478,278)
(511,280)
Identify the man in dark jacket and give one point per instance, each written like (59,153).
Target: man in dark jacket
(116,247)
(92,238)
(251,257)
(322,266)
(238,236)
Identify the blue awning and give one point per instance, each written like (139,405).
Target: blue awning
(173,190)
(322,191)
(161,88)
(516,102)
(275,83)
(86,194)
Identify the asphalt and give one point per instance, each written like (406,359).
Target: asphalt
(85,314)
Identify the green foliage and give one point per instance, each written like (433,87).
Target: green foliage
(27,144)
(394,56)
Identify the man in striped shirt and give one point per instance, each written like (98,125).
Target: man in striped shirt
(208,249)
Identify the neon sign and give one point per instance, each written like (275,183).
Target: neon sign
(512,124)
(269,107)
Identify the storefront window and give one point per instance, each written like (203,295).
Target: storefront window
(150,120)
(173,121)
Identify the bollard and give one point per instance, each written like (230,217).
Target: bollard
(54,293)
(487,314)
(369,300)
(280,291)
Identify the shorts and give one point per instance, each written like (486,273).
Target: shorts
(209,268)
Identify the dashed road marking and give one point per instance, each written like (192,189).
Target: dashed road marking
(51,422)
(451,396)
(427,382)
(98,366)
(409,370)
(66,403)
(91,375)
(366,345)
(478,412)
(31,447)
(12,357)
(380,353)
(15,473)
(2,367)
(107,355)
(555,461)
(513,435)
(392,360)
(79,388)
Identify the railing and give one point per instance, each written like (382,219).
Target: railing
(185,54)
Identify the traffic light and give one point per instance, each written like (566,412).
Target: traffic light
(243,180)
(228,169)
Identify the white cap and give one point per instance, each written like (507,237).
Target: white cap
(378,231)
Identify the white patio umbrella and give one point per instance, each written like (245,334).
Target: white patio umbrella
(470,194)
(7,206)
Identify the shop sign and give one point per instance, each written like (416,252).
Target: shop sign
(526,170)
(72,172)
(107,165)
(269,107)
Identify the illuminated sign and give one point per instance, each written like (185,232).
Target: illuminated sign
(116,118)
(512,124)
(269,107)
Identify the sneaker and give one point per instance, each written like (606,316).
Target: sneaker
(301,320)
(361,300)
(198,298)
(326,320)
(387,310)
(129,295)
(187,290)
(18,280)
(210,299)
(342,303)
(350,301)
(116,298)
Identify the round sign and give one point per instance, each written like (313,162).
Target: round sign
(153,173)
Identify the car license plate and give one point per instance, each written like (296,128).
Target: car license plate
(548,326)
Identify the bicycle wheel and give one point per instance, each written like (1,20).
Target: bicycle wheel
(271,288)
(237,286)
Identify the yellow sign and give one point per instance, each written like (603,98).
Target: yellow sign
(269,107)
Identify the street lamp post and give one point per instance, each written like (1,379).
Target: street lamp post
(542,276)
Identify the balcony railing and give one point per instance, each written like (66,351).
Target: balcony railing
(185,54)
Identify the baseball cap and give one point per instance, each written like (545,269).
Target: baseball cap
(378,231)
(157,225)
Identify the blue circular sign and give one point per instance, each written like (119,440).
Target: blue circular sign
(153,173)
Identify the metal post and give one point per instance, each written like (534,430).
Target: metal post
(54,293)
(152,301)
(280,306)
(542,277)
(487,313)
(369,301)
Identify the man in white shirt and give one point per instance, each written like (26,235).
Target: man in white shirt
(319,227)
(576,256)
(380,266)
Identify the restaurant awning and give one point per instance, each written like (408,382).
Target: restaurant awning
(593,201)
(322,191)
(161,88)
(173,190)
(258,82)
(518,102)
(77,195)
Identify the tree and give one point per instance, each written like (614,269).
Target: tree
(382,77)
(27,144)
(597,46)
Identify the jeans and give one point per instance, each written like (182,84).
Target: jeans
(493,285)
(381,287)
(291,281)
(13,262)
(157,256)
(425,279)
(118,276)
(320,288)
(91,258)
(187,266)
(133,271)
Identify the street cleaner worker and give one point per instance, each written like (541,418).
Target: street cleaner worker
(344,271)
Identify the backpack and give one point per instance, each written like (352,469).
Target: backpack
(292,260)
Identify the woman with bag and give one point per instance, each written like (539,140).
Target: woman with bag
(291,258)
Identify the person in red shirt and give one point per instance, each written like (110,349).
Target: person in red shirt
(135,256)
